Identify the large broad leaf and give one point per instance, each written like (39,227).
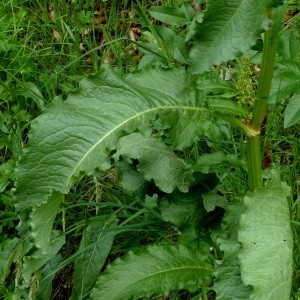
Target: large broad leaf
(159,270)
(88,265)
(267,244)
(76,136)
(229,29)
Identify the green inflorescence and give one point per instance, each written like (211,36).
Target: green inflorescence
(245,82)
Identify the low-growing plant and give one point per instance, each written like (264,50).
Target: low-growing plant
(156,143)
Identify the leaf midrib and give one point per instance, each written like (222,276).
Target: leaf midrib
(148,277)
(172,107)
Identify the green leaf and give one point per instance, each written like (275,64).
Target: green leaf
(209,162)
(278,13)
(36,260)
(88,265)
(156,162)
(130,179)
(291,44)
(266,256)
(182,128)
(6,174)
(169,14)
(6,258)
(227,31)
(292,111)
(228,283)
(179,51)
(192,28)
(223,88)
(286,80)
(224,106)
(42,218)
(183,210)
(149,59)
(158,270)
(188,9)
(30,90)
(174,44)
(48,274)
(212,199)
(77,136)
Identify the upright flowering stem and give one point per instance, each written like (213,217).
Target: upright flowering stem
(260,108)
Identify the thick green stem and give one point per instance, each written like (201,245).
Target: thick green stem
(260,109)
(265,79)
(254,162)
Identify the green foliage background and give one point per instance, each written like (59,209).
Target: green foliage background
(130,178)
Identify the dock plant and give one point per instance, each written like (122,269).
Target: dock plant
(154,136)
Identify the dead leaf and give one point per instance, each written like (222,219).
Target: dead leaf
(51,14)
(56,35)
